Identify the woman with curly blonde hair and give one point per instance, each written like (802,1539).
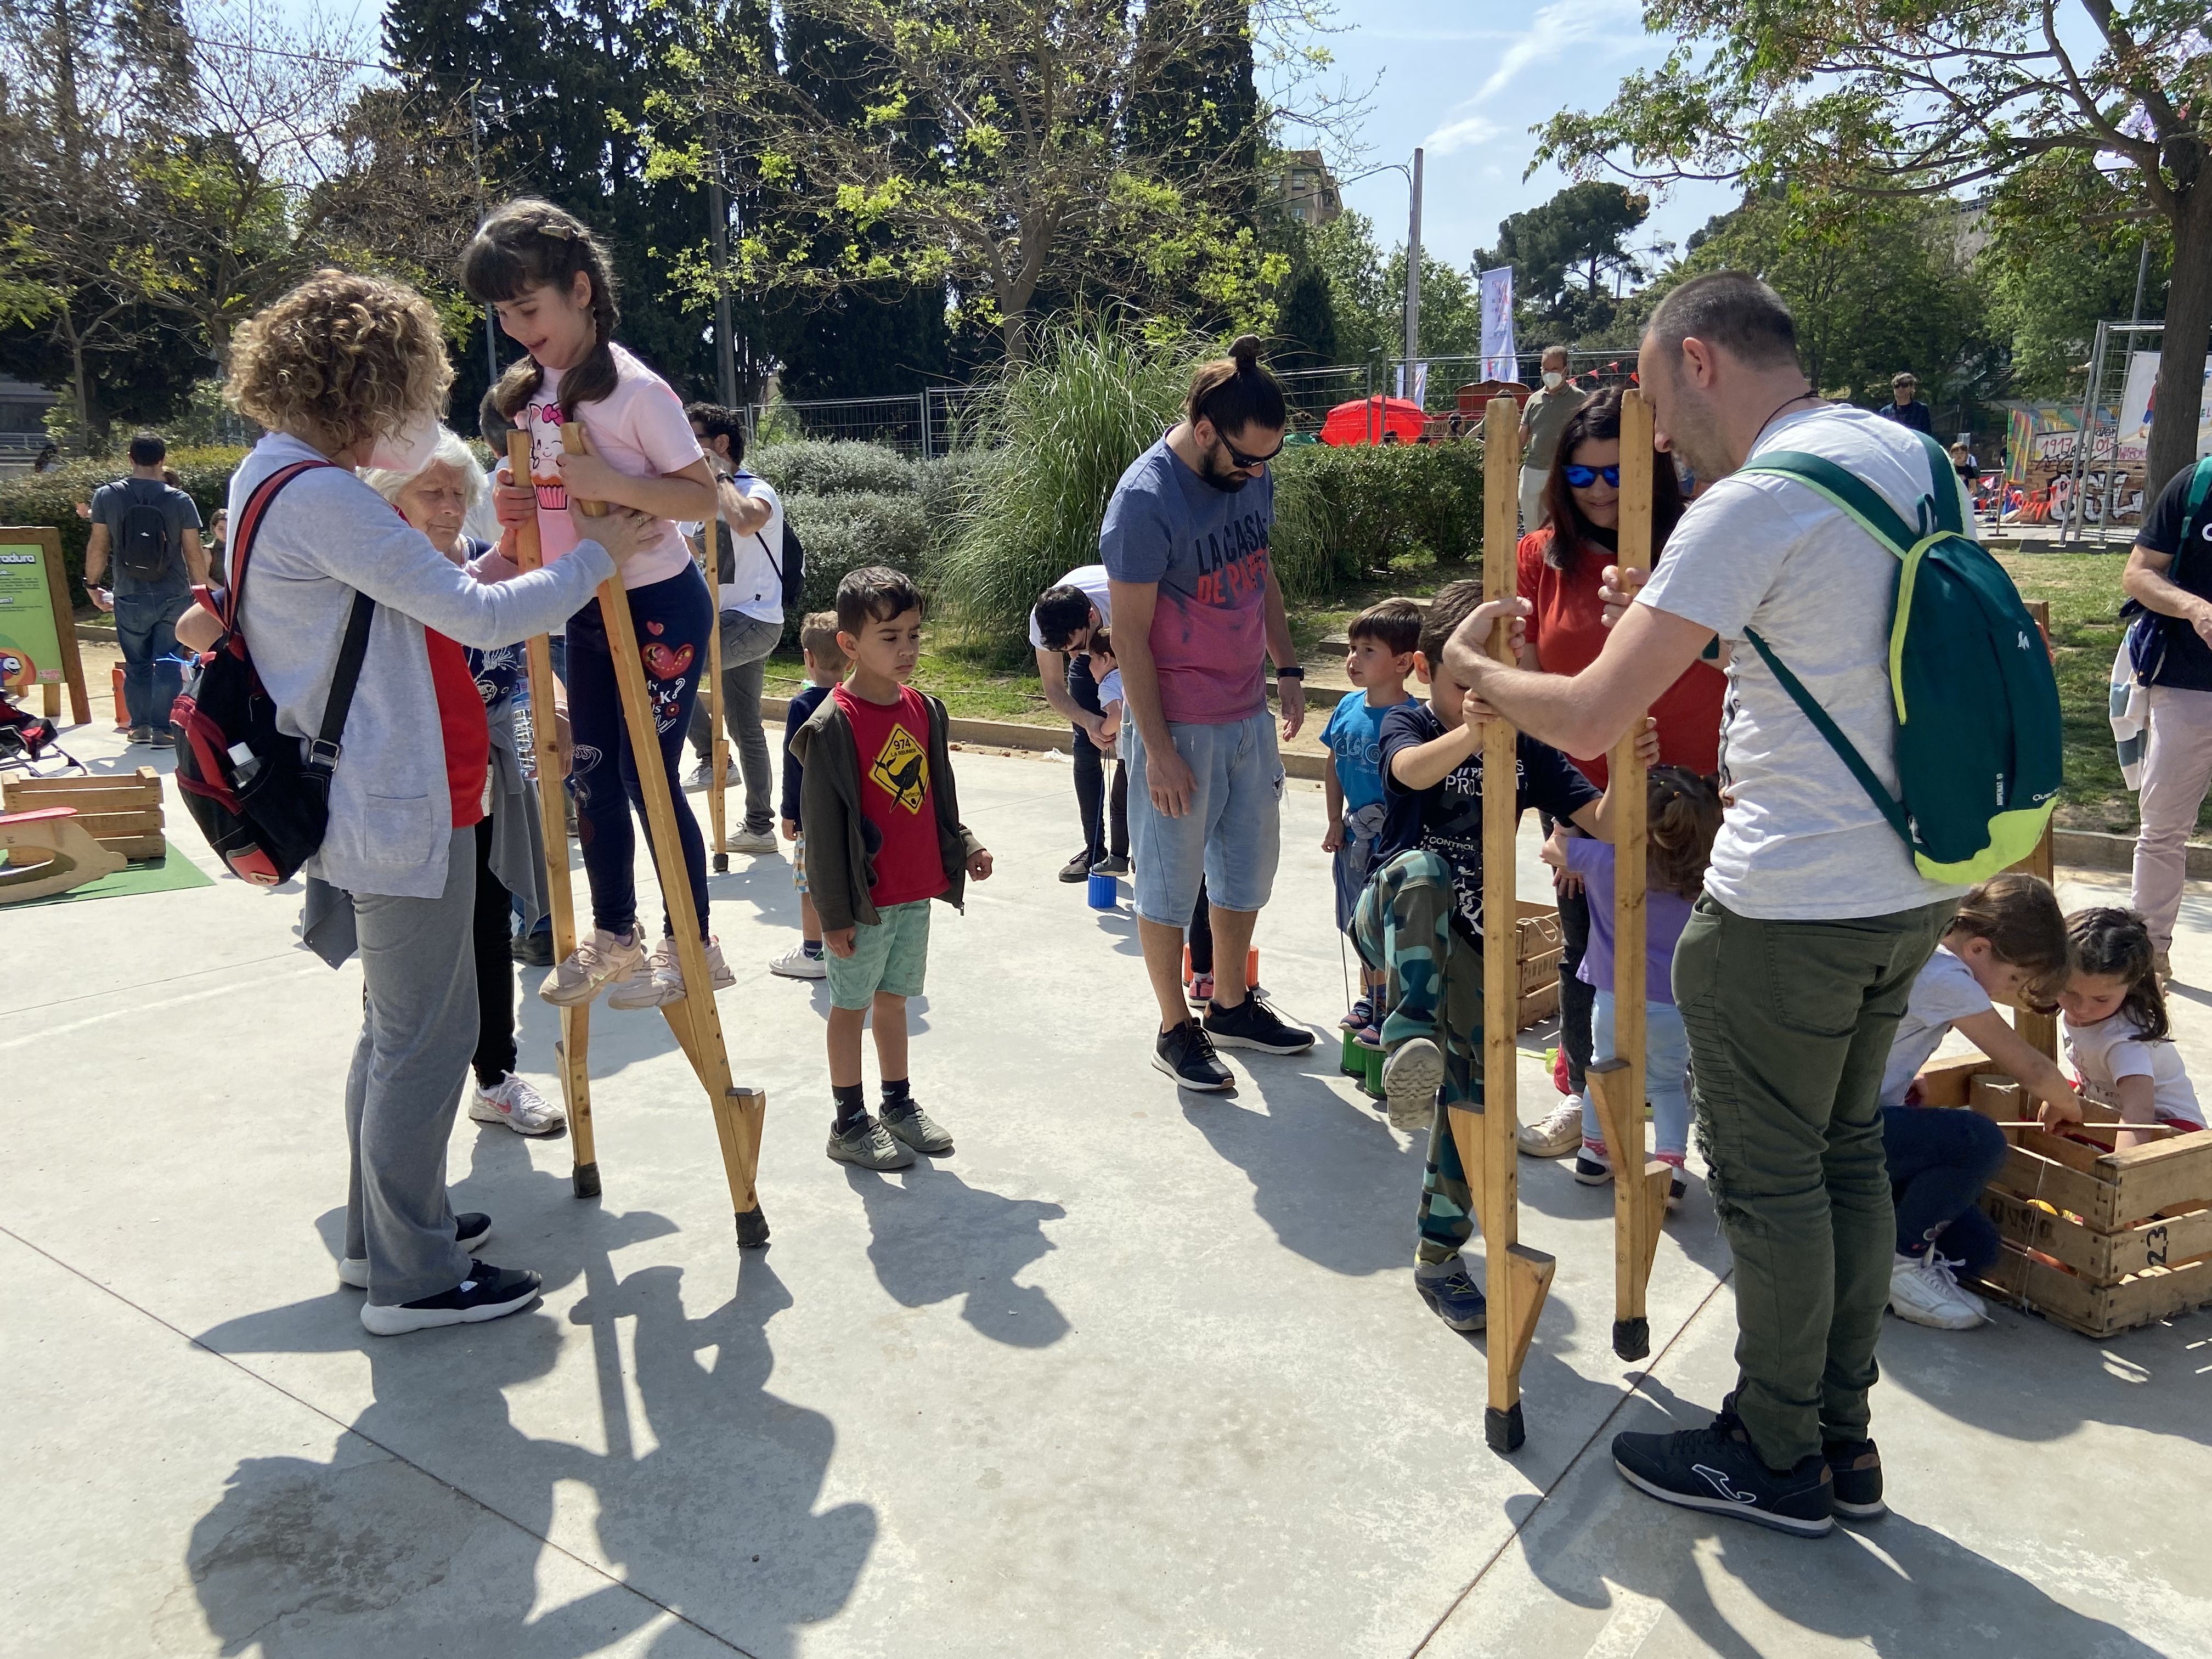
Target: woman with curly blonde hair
(347,372)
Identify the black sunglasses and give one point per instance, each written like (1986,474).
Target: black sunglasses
(1582,477)
(1237,458)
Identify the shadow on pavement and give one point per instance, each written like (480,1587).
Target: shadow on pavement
(934,1238)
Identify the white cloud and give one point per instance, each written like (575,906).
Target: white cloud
(1459,135)
(1558,28)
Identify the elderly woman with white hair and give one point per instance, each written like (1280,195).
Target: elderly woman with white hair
(440,499)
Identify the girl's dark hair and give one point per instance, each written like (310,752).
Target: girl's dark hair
(1236,391)
(2114,944)
(2019,914)
(1598,420)
(1683,815)
(529,243)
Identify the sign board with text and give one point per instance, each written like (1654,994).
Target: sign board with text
(37,630)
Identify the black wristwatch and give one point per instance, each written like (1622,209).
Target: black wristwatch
(1293,672)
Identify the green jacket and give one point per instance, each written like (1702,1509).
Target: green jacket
(840,843)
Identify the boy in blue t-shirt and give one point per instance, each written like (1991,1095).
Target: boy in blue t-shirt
(825,666)
(1378,659)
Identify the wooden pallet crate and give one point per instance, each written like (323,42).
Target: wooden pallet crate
(2099,1241)
(122,814)
(1539,944)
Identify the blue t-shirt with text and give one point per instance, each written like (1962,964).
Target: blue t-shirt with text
(1207,550)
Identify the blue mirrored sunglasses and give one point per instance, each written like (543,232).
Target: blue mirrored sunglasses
(1582,477)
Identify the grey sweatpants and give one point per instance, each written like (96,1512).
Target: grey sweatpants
(418,1028)
(746,643)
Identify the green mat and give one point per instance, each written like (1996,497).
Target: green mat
(173,872)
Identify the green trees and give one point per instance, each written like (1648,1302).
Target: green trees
(1570,259)
(1927,96)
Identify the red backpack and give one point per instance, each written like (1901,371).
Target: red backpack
(261,802)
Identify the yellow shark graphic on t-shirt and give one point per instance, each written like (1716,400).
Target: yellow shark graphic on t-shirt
(901,769)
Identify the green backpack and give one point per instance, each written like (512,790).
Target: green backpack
(1978,726)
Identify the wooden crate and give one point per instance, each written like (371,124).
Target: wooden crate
(1537,1005)
(121,813)
(1538,946)
(2099,1241)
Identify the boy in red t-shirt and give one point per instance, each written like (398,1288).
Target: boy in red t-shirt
(884,838)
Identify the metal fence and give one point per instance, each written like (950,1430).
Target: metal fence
(2104,486)
(1445,377)
(917,424)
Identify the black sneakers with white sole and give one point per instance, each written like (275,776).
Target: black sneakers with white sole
(1186,1054)
(1253,1024)
(1718,1470)
(487,1293)
(472,1228)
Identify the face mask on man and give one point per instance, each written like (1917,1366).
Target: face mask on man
(1553,379)
(409,449)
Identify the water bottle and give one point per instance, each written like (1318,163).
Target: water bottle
(244,764)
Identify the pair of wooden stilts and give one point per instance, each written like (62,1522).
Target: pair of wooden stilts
(696,1024)
(1520,1277)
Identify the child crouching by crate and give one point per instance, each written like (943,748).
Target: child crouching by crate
(1684,816)
(825,666)
(2115,1029)
(1419,925)
(2007,944)
(884,842)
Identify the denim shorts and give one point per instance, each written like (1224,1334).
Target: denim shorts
(888,957)
(1232,835)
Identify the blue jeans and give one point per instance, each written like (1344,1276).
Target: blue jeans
(1940,1159)
(146,628)
(1231,835)
(1666,1073)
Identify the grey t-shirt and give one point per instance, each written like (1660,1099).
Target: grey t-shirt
(1801,841)
(1547,415)
(111,504)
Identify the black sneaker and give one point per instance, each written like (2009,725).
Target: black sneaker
(909,1123)
(1186,1054)
(1454,1297)
(162,737)
(532,950)
(1253,1024)
(1718,1469)
(1590,1172)
(1854,1469)
(1077,868)
(487,1293)
(470,1228)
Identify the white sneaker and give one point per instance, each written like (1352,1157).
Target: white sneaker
(587,970)
(753,841)
(515,1103)
(663,981)
(795,964)
(1925,1289)
(1559,1133)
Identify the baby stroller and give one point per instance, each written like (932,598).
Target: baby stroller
(30,744)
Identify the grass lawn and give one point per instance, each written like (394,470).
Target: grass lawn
(2082,589)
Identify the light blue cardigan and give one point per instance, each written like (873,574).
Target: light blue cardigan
(327,536)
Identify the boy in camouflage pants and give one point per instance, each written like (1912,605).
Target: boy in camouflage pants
(1419,925)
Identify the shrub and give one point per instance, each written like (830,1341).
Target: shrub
(1066,425)
(843,532)
(827,466)
(1342,513)
(50,498)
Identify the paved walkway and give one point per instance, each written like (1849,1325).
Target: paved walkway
(1129,1375)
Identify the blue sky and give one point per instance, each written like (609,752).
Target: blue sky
(1465,80)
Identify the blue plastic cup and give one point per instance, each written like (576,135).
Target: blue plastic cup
(1105,892)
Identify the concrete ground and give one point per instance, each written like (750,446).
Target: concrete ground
(1130,1374)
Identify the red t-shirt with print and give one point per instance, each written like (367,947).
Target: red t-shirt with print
(461,724)
(891,740)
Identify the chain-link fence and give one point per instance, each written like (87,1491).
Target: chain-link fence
(917,424)
(1439,382)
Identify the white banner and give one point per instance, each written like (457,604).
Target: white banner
(1420,393)
(2137,405)
(1498,357)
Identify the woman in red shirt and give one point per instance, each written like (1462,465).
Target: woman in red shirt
(1561,569)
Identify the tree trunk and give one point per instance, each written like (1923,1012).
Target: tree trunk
(79,378)
(1014,331)
(2181,355)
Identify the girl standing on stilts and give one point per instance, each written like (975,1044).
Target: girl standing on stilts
(547,279)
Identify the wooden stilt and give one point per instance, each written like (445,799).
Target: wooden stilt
(571,1052)
(1640,1182)
(695,1020)
(2041,1030)
(1519,1278)
(710,693)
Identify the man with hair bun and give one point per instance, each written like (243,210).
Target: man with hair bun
(1800,957)
(1197,615)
